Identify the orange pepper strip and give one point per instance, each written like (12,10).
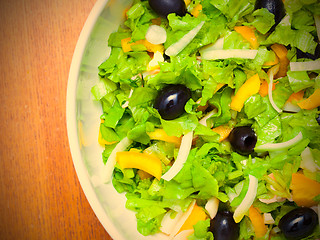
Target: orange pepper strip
(249,88)
(160,134)
(196,10)
(223,131)
(146,162)
(196,215)
(257,221)
(295,97)
(263,91)
(281,51)
(303,190)
(126,45)
(311,102)
(248,34)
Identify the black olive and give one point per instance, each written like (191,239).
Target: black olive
(171,100)
(224,227)
(276,7)
(314,56)
(298,223)
(165,7)
(243,139)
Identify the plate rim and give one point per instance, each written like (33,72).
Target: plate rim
(71,122)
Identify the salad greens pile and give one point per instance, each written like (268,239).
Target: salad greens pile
(128,87)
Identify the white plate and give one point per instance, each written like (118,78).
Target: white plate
(83,121)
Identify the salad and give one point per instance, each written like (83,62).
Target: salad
(210,121)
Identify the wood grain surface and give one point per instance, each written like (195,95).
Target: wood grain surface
(40,196)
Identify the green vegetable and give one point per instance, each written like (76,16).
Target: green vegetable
(127,91)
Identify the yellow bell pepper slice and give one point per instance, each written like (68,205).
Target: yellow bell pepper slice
(126,45)
(249,88)
(160,134)
(197,214)
(257,221)
(311,102)
(248,34)
(196,10)
(303,190)
(223,131)
(146,162)
(281,52)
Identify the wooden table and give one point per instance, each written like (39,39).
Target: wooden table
(40,194)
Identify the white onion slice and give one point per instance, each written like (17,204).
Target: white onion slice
(229,53)
(177,47)
(183,235)
(279,146)
(272,71)
(272,200)
(168,223)
(111,162)
(305,66)
(183,153)
(267,218)
(212,206)
(156,34)
(290,107)
(244,206)
(203,121)
(154,63)
(182,220)
(307,161)
(126,104)
(217,45)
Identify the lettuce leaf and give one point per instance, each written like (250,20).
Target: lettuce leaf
(269,132)
(303,121)
(284,34)
(180,70)
(179,26)
(138,20)
(263,20)
(201,231)
(303,20)
(233,40)
(113,116)
(254,106)
(299,80)
(203,182)
(221,100)
(234,10)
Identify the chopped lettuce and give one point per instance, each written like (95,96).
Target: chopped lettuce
(263,20)
(299,80)
(127,90)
